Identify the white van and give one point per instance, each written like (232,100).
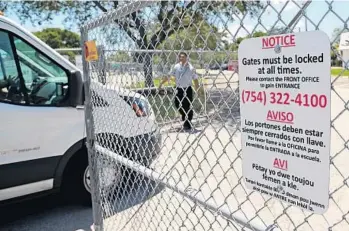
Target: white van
(42,135)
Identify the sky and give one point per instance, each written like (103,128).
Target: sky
(58,23)
(318,12)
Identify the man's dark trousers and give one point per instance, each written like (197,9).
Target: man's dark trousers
(183,102)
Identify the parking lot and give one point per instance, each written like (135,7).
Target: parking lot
(220,168)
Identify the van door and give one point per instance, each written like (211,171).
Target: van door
(37,125)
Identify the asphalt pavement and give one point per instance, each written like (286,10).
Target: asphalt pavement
(47,214)
(52,213)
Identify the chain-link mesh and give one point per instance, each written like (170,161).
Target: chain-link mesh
(148,172)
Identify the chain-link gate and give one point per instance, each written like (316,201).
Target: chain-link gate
(147,173)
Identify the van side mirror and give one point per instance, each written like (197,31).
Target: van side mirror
(75,89)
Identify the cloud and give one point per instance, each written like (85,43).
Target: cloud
(279,4)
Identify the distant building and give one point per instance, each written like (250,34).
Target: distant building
(344,49)
(78,61)
(66,57)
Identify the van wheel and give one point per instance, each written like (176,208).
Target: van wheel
(74,188)
(77,179)
(87,179)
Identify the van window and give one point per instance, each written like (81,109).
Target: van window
(9,80)
(30,55)
(46,81)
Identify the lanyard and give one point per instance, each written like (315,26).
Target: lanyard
(183,70)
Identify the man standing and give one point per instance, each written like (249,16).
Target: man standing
(184,74)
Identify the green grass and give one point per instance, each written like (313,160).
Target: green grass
(336,72)
(165,110)
(157,81)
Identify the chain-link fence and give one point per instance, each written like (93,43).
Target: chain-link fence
(147,171)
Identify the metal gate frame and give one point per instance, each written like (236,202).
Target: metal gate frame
(160,179)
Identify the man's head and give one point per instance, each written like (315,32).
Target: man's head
(183,57)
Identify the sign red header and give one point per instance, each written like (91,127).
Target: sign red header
(281,40)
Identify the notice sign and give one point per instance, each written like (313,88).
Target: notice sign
(91,53)
(285,89)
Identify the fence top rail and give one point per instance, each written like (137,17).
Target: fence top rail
(69,49)
(162,51)
(120,12)
(152,51)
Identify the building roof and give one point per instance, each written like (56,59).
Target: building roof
(344,41)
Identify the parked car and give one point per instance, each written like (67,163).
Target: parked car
(43,138)
(222,67)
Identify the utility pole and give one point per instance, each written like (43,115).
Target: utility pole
(297,17)
(305,20)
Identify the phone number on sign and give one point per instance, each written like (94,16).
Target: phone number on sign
(305,100)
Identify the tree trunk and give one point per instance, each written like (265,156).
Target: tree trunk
(148,69)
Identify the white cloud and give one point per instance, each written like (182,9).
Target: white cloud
(276,2)
(279,4)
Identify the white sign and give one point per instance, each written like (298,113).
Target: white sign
(285,90)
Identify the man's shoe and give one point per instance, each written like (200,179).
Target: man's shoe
(188,129)
(187,125)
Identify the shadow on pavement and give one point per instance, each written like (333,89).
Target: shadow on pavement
(47,213)
(179,129)
(142,190)
(51,213)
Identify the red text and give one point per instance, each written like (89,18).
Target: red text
(284,98)
(282,40)
(280,116)
(280,164)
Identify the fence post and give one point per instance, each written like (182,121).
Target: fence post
(90,138)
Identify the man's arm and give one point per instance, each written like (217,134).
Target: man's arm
(168,77)
(164,80)
(195,79)
(196,84)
